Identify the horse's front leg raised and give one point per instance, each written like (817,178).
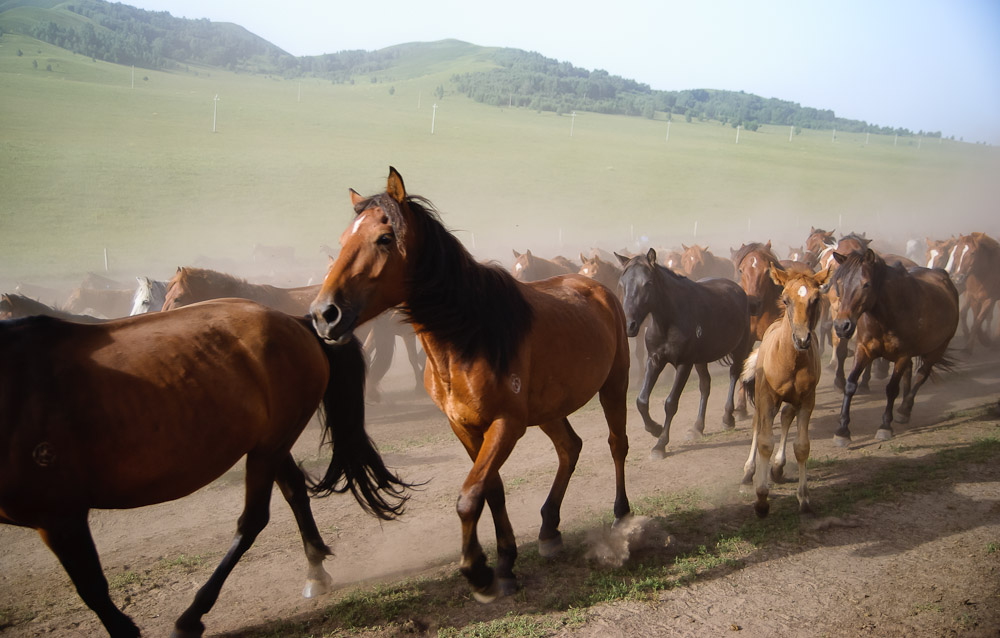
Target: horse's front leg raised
(654,366)
(659,450)
(842,436)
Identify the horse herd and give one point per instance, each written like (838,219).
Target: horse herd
(500,351)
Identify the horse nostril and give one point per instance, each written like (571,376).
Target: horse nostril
(330,314)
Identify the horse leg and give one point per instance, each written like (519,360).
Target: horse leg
(70,540)
(842,436)
(764,431)
(906,407)
(568,446)
(891,392)
(750,466)
(840,356)
(418,360)
(260,477)
(801,448)
(980,323)
(481,485)
(654,366)
(778,465)
(613,397)
(866,377)
(385,347)
(292,483)
(705,388)
(659,450)
(735,370)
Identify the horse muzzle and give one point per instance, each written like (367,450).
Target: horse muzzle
(844,328)
(332,323)
(631,328)
(802,343)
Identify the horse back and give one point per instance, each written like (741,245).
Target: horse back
(919,307)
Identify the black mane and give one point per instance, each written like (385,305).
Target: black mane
(478,308)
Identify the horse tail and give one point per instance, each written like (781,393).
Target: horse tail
(356,464)
(749,377)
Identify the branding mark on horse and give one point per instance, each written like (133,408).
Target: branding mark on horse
(515,383)
(697,332)
(44,454)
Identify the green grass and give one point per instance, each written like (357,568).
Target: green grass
(92,164)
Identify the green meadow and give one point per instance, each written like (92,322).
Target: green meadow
(94,162)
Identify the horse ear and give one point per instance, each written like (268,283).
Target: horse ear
(583,259)
(778,274)
(395,186)
(651,256)
(517,255)
(684,246)
(823,278)
(840,258)
(812,229)
(622,259)
(356,197)
(769,244)
(870,255)
(527,253)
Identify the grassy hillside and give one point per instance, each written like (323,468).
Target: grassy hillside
(91,163)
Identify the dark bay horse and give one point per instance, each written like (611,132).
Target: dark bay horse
(528,267)
(898,314)
(976,269)
(691,325)
(227,379)
(698,262)
(785,369)
(15,306)
(501,356)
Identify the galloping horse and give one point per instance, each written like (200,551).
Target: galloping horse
(785,369)
(15,306)
(528,267)
(938,251)
(818,244)
(977,269)
(849,243)
(698,262)
(898,314)
(149,296)
(501,356)
(691,325)
(191,285)
(228,379)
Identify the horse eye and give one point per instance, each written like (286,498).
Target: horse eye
(384,240)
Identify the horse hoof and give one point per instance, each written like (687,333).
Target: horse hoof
(694,435)
(747,478)
(777,474)
(805,509)
(655,430)
(728,424)
(508,586)
(902,416)
(883,434)
(761,509)
(550,547)
(840,385)
(183,633)
(841,441)
(315,588)
(657,454)
(487,594)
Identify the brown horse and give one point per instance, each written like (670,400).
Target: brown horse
(673,260)
(603,271)
(849,243)
(698,262)
(501,356)
(528,267)
(785,369)
(191,285)
(753,263)
(938,251)
(15,306)
(692,323)
(898,314)
(976,268)
(819,244)
(147,409)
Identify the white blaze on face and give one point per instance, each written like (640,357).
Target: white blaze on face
(754,264)
(357,224)
(803,291)
(517,267)
(951,260)
(958,267)
(930,262)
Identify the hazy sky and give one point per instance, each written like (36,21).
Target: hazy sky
(929,65)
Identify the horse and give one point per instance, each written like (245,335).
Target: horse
(502,355)
(108,302)
(819,243)
(15,306)
(797,254)
(149,296)
(849,243)
(608,274)
(753,263)
(673,259)
(898,314)
(785,369)
(190,285)
(528,267)
(976,269)
(938,251)
(691,324)
(228,379)
(698,262)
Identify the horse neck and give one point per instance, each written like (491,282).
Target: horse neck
(668,285)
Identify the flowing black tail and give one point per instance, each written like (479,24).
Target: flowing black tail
(356,464)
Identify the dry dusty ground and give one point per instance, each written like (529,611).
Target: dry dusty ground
(926,563)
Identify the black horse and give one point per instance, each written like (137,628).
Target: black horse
(692,324)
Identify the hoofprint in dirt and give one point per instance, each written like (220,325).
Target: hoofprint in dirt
(924,561)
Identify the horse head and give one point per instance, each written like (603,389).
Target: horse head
(857,283)
(801,295)
(638,283)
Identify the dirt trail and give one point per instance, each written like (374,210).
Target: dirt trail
(918,567)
